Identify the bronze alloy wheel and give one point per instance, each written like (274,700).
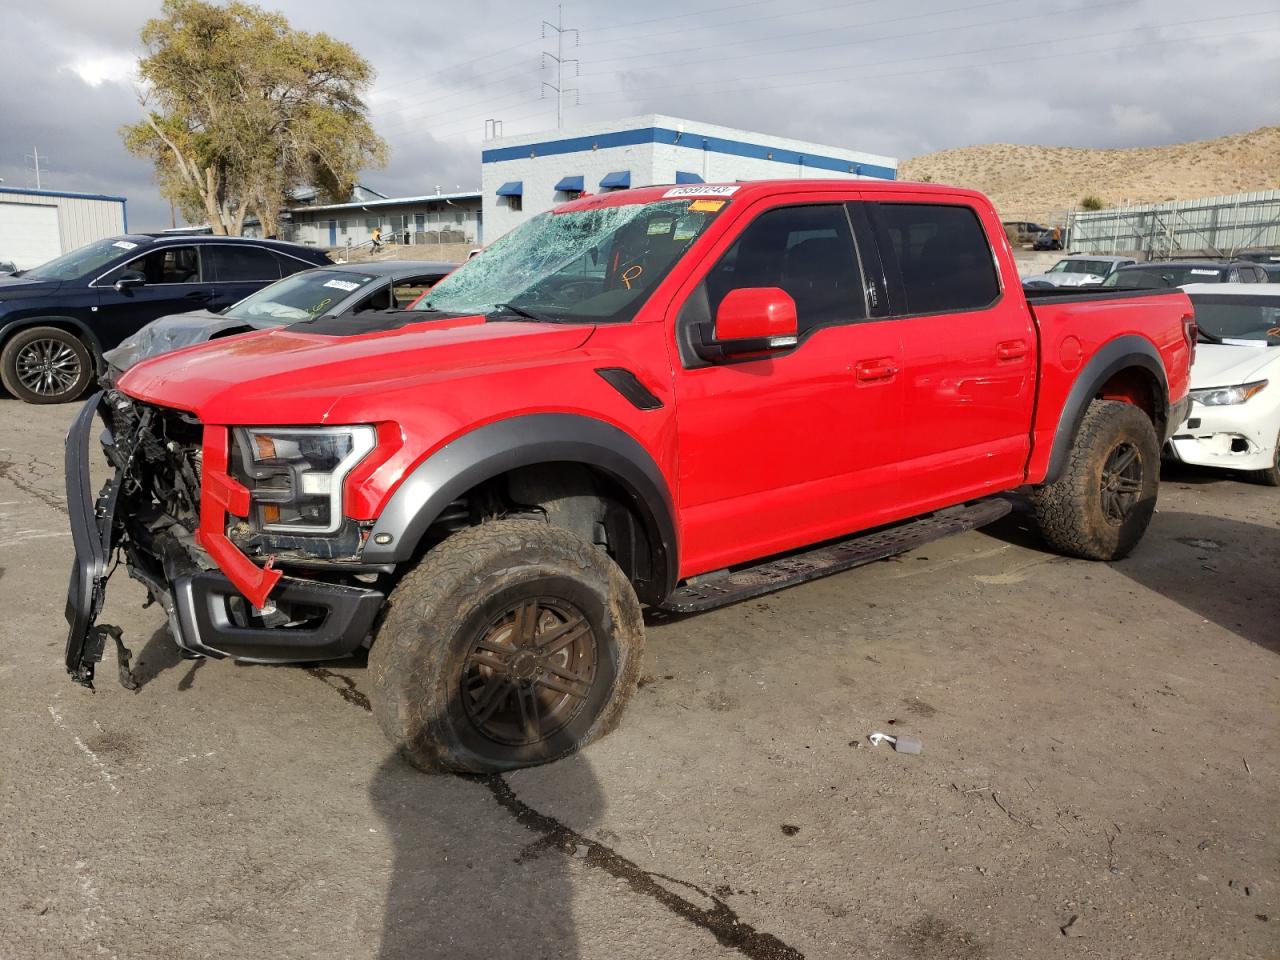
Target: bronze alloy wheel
(1121,482)
(529,672)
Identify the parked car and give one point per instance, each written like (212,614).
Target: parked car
(1176,273)
(1050,239)
(1078,271)
(677,396)
(1022,232)
(1234,421)
(57,320)
(7,267)
(331,291)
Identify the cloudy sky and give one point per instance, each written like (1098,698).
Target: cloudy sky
(895,77)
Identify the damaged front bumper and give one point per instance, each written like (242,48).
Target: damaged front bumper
(294,620)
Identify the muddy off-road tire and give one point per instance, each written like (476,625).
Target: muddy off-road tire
(510,644)
(46,365)
(1101,505)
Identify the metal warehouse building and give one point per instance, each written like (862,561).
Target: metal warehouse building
(525,175)
(38,225)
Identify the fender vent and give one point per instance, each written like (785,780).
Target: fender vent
(625,382)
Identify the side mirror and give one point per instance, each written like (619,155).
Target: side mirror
(129,280)
(756,320)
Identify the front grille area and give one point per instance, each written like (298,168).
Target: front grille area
(163,479)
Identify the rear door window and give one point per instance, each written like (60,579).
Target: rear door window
(237,264)
(943,258)
(290,265)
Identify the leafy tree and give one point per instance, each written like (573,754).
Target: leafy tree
(241,109)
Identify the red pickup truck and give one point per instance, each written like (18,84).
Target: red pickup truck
(672,396)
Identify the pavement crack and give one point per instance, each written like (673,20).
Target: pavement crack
(345,686)
(719,920)
(24,480)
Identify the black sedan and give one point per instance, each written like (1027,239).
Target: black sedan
(58,319)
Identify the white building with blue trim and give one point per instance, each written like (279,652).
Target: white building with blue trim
(525,175)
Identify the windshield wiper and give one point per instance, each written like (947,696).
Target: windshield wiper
(1203,337)
(522,312)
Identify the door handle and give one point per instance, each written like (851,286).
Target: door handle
(875,371)
(1011,350)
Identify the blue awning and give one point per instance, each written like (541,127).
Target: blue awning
(571,184)
(682,177)
(512,188)
(619,180)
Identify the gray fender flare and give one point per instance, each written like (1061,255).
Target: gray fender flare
(524,441)
(1114,356)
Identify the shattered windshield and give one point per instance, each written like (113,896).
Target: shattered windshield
(583,266)
(302,296)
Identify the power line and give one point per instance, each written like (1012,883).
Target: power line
(921,33)
(998,63)
(736,23)
(808,33)
(676,16)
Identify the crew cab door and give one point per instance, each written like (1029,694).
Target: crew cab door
(791,446)
(969,348)
(172,282)
(237,270)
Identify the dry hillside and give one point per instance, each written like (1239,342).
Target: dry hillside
(1039,183)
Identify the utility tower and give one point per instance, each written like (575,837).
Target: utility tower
(560,61)
(34,157)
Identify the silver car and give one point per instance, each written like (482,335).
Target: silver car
(325,291)
(1077,271)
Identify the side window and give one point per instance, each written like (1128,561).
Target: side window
(808,252)
(290,265)
(409,289)
(943,256)
(241,264)
(167,265)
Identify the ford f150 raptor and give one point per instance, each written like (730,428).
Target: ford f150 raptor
(673,396)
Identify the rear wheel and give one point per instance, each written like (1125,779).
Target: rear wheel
(512,643)
(1102,504)
(45,365)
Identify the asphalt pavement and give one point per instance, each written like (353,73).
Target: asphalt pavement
(1098,778)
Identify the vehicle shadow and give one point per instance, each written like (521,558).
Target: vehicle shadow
(475,872)
(157,655)
(1225,570)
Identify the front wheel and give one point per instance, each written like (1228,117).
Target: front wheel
(1270,476)
(511,643)
(45,365)
(1102,504)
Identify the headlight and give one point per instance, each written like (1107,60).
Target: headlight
(1227,396)
(295,474)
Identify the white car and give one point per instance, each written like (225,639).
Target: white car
(1235,382)
(1078,271)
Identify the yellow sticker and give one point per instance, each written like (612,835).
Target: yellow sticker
(706,206)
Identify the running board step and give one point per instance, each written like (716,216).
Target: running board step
(742,584)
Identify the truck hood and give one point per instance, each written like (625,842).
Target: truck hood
(289,376)
(1065,279)
(172,333)
(1224,365)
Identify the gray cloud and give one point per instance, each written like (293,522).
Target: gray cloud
(876,75)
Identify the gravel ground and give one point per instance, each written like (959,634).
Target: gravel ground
(1099,774)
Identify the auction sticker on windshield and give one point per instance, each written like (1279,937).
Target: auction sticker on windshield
(346,285)
(702,190)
